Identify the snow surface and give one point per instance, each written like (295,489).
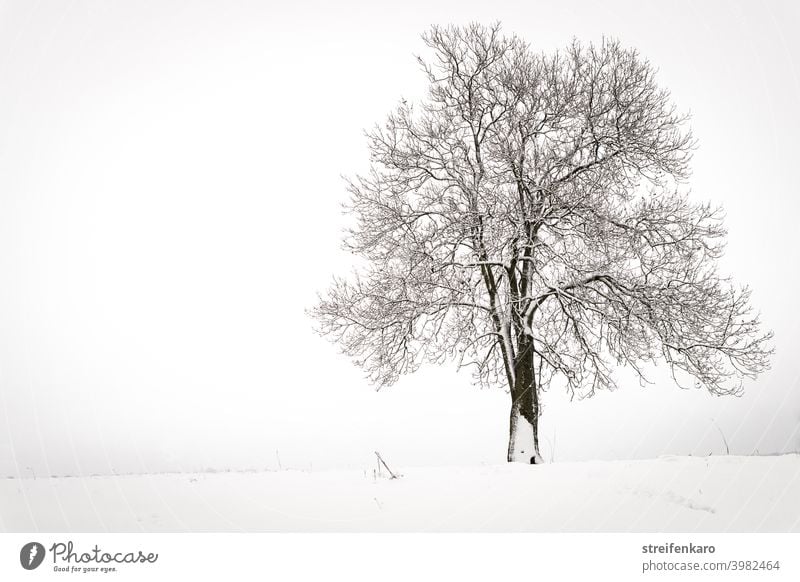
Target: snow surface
(665,494)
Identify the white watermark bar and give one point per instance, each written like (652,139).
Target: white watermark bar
(386,557)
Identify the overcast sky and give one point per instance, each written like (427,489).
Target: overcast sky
(170,182)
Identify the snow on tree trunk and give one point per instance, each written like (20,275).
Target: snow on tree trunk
(523,443)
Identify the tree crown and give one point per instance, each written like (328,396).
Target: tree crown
(532,211)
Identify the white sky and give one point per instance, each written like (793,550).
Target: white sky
(169,206)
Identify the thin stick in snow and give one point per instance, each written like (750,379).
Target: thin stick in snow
(722,434)
(382,462)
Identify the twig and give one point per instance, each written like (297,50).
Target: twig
(382,462)
(724,440)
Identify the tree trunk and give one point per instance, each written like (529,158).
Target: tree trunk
(523,441)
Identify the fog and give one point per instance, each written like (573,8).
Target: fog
(170,190)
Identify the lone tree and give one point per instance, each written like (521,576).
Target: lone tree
(528,218)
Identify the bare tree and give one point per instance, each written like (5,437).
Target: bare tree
(529,219)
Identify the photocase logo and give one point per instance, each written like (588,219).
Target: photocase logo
(31,555)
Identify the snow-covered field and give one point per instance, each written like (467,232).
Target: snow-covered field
(665,494)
